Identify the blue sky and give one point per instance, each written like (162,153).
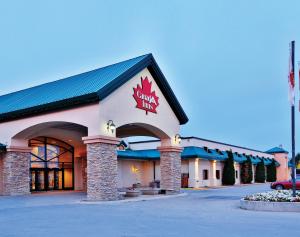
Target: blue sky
(227,61)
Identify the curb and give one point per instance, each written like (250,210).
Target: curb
(270,206)
(138,199)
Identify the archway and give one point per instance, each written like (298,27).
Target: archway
(51,165)
(141,167)
(57,155)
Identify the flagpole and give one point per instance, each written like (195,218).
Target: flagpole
(293,124)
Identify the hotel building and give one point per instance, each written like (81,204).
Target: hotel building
(68,135)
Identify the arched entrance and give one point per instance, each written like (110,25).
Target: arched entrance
(51,164)
(55,157)
(138,170)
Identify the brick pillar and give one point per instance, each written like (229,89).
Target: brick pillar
(170,168)
(14,171)
(102,168)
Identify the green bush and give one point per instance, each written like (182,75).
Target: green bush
(271,172)
(297,159)
(260,174)
(246,171)
(228,176)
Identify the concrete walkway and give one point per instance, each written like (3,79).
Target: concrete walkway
(212,212)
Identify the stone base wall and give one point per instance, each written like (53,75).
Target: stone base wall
(170,168)
(102,172)
(14,169)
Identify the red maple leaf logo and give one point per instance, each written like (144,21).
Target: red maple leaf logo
(144,97)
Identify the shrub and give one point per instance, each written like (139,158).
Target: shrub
(246,171)
(260,174)
(271,172)
(297,159)
(228,176)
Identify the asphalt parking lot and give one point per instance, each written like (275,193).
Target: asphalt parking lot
(212,212)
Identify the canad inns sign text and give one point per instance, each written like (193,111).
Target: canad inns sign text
(144,97)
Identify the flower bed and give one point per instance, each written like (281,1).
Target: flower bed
(274,196)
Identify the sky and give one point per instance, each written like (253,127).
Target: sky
(226,61)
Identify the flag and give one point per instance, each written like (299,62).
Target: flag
(291,76)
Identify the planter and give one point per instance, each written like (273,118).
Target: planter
(137,185)
(152,191)
(133,193)
(270,206)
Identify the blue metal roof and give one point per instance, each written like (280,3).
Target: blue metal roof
(188,152)
(151,154)
(192,152)
(267,161)
(255,159)
(84,88)
(200,152)
(239,157)
(276,150)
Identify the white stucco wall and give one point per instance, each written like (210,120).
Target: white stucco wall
(219,166)
(126,176)
(157,170)
(253,173)
(184,166)
(78,166)
(76,115)
(203,165)
(238,170)
(120,106)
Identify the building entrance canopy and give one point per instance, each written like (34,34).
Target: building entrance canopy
(90,112)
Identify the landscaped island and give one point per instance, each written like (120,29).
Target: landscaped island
(274,196)
(277,200)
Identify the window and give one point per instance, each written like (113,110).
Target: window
(205,174)
(236,174)
(218,174)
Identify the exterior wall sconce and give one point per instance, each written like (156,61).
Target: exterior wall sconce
(111,126)
(177,139)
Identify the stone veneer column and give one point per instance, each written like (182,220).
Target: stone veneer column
(14,171)
(170,168)
(102,168)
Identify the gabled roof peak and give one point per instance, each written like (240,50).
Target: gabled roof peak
(84,88)
(277,149)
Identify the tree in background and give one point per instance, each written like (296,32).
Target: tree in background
(297,158)
(228,177)
(260,174)
(246,171)
(271,172)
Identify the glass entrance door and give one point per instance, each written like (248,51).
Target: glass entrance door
(52,165)
(53,179)
(45,179)
(37,182)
